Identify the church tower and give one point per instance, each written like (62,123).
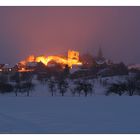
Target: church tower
(100,54)
(100,58)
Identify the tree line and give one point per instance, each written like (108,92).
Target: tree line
(23,84)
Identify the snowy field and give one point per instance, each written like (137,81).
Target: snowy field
(96,114)
(40,113)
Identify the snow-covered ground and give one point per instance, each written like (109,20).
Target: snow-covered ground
(41,113)
(96,114)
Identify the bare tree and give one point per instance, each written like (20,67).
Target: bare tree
(78,87)
(73,91)
(131,86)
(117,88)
(62,86)
(6,88)
(52,85)
(3,78)
(84,86)
(27,87)
(87,88)
(23,83)
(4,85)
(17,86)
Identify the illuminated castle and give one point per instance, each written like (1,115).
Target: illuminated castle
(72,59)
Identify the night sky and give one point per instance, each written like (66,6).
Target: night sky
(54,30)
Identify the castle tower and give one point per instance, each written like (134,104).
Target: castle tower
(73,55)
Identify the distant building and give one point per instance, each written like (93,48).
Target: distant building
(6,68)
(134,66)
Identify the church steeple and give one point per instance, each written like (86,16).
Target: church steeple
(100,54)
(100,58)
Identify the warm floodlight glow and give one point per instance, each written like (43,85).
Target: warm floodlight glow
(72,59)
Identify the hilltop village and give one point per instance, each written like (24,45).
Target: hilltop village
(76,65)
